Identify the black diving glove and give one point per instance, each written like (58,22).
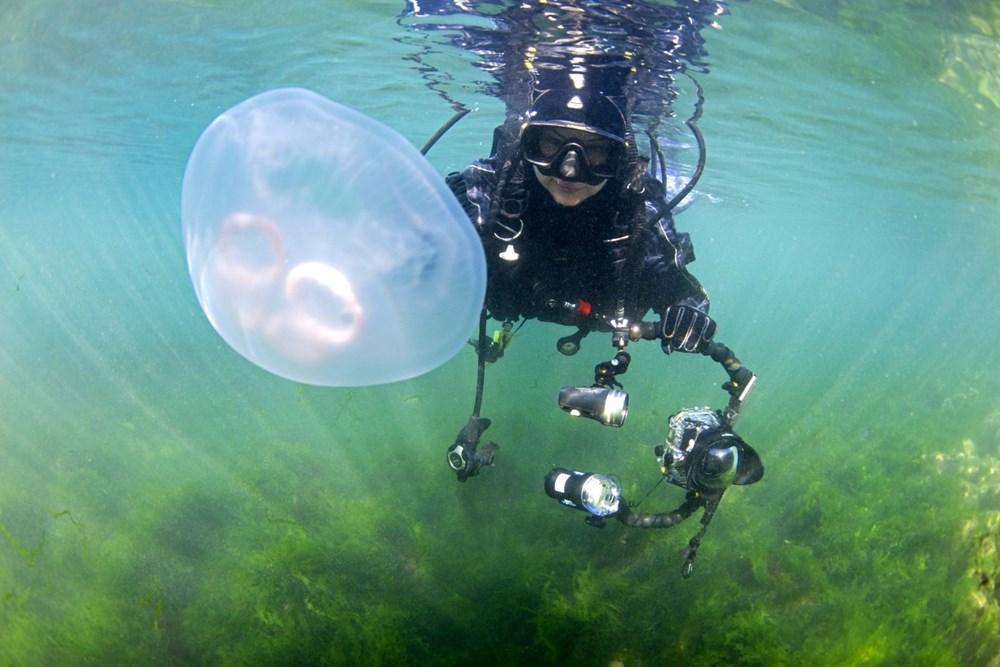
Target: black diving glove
(686,329)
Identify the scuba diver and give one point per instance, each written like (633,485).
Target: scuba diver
(577,225)
(577,231)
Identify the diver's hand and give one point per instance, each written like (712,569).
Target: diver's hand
(686,329)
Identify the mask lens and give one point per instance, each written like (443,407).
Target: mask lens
(549,144)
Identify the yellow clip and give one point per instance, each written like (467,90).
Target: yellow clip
(504,336)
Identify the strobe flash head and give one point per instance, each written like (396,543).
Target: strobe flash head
(604,404)
(595,493)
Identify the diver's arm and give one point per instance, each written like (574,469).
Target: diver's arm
(672,291)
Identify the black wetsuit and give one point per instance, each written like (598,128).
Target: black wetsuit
(601,251)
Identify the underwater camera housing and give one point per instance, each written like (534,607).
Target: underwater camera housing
(701,453)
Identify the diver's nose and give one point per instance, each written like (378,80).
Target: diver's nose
(570,166)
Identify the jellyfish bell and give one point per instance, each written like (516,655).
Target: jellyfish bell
(323,247)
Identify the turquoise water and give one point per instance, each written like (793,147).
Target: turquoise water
(163,501)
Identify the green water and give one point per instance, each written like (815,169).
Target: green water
(163,501)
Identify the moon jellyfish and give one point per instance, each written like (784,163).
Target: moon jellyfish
(323,247)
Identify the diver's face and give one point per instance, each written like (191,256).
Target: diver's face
(572,165)
(568,193)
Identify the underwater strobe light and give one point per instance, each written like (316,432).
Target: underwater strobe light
(604,404)
(595,493)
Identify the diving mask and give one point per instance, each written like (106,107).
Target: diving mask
(572,154)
